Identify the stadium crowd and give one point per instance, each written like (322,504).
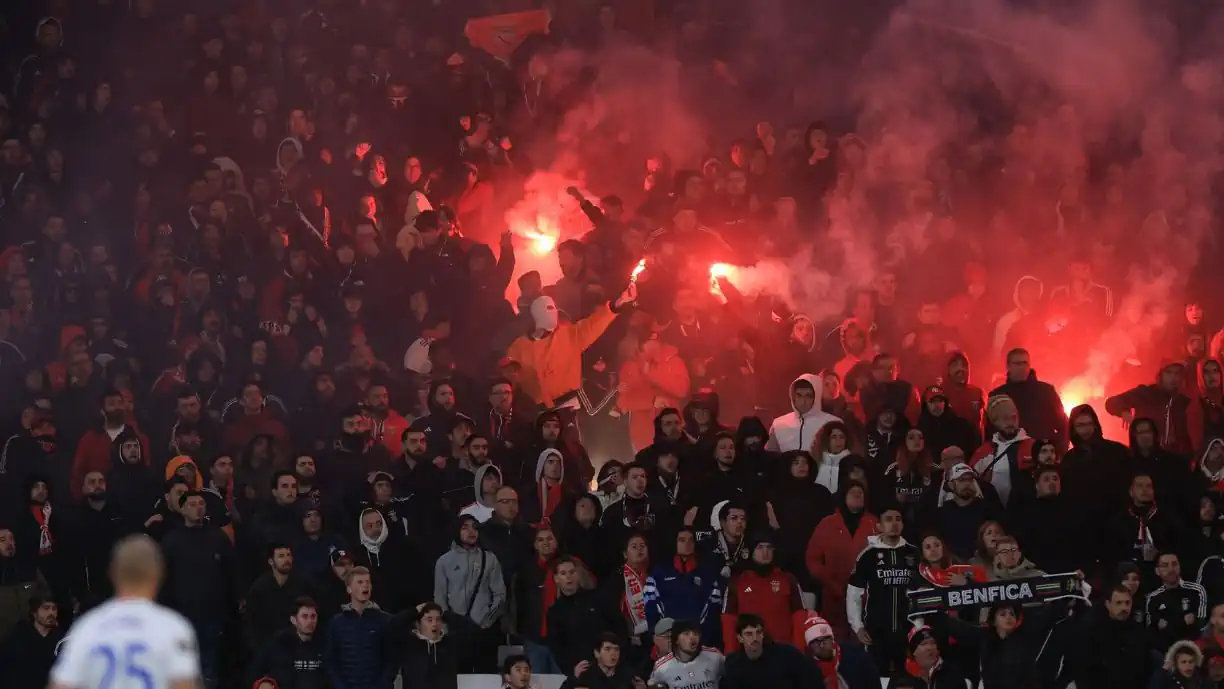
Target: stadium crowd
(259,302)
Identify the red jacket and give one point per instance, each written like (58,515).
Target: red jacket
(775,597)
(831,554)
(93,453)
(968,401)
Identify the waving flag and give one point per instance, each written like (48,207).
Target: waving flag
(501,34)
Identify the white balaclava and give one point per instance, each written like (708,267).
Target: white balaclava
(544,313)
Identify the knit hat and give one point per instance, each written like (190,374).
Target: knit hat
(959,471)
(816,628)
(917,636)
(997,405)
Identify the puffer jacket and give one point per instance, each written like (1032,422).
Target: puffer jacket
(356,654)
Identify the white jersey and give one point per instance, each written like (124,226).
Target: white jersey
(702,672)
(128,644)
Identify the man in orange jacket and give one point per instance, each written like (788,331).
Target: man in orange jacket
(764,589)
(551,355)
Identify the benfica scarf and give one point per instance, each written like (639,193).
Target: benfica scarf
(1042,589)
(829,669)
(42,515)
(635,599)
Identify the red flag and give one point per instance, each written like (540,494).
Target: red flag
(501,34)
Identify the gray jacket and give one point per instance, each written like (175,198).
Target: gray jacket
(455,579)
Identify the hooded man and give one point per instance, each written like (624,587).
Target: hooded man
(486,482)
(469,586)
(1005,461)
(551,355)
(1170,472)
(968,401)
(798,429)
(1205,417)
(1094,471)
(398,582)
(548,492)
(1162,402)
(1013,325)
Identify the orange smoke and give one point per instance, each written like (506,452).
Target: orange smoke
(1079,391)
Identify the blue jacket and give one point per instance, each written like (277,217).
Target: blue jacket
(359,651)
(689,594)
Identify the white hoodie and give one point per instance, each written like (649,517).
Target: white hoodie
(795,431)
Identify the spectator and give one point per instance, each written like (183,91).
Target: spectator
(93,452)
(1038,406)
(202,579)
(430,659)
(577,618)
(293,657)
(834,548)
(764,590)
(357,652)
(469,587)
(1110,647)
(603,669)
(761,661)
(92,531)
(29,650)
(274,597)
(685,588)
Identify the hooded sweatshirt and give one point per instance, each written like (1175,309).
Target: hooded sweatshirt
(465,587)
(795,431)
(481,509)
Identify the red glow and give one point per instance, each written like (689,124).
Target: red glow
(637,270)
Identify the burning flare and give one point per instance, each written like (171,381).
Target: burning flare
(637,270)
(1079,391)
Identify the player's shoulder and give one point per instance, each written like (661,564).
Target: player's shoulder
(711,652)
(154,618)
(664,660)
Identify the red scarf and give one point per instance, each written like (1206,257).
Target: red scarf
(548,596)
(912,667)
(942,577)
(1144,533)
(42,515)
(685,565)
(633,602)
(828,669)
(550,498)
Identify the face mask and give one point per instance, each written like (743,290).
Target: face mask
(97,495)
(544,314)
(115,418)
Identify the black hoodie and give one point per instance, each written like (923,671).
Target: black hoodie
(294,663)
(1171,474)
(427,664)
(799,505)
(1096,472)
